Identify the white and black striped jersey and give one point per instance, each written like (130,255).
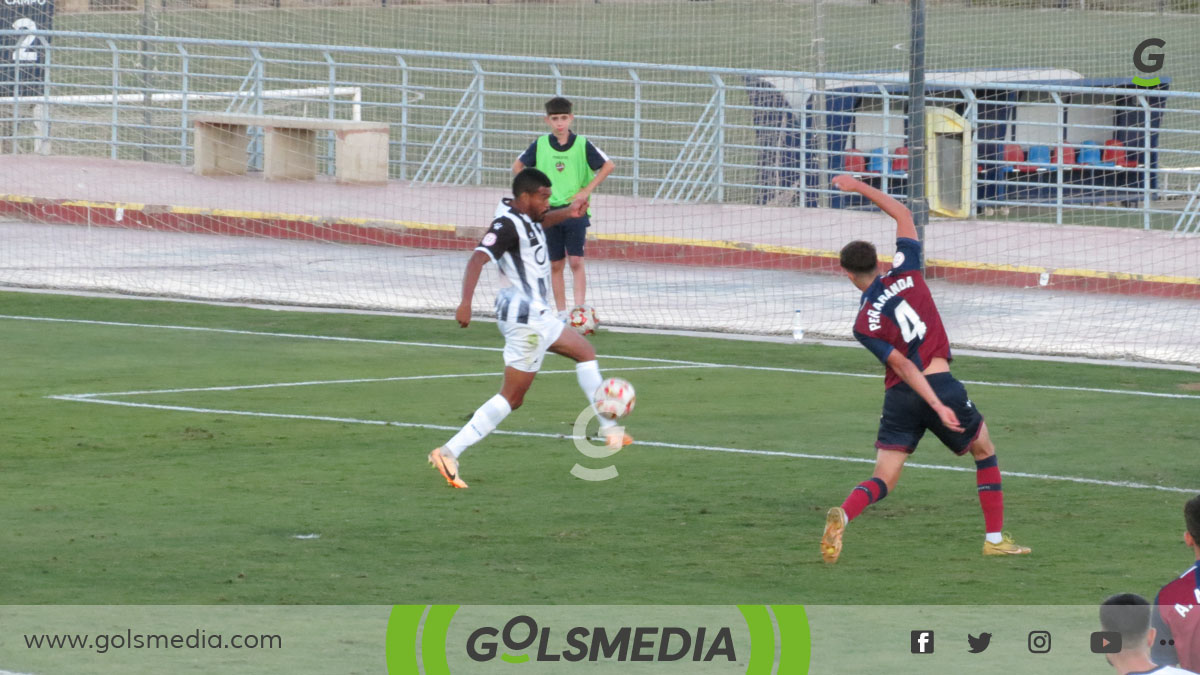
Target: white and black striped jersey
(518,247)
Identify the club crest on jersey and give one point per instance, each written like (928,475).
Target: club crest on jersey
(489,238)
(560,166)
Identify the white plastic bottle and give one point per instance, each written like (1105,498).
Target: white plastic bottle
(797,326)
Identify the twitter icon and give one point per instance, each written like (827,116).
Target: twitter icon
(978,644)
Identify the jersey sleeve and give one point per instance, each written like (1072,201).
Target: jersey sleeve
(908,255)
(529,157)
(880,348)
(1163,650)
(595,156)
(500,238)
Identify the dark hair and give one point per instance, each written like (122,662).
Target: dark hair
(558,106)
(859,257)
(529,180)
(1127,614)
(1191,516)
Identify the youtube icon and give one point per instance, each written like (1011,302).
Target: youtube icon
(1106,642)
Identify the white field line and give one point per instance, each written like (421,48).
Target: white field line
(653,444)
(736,337)
(362,380)
(434,345)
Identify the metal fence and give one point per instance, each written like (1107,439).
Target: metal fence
(675,132)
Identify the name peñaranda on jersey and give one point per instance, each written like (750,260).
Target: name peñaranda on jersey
(897,312)
(518,247)
(1178,622)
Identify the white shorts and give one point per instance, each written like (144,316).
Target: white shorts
(525,344)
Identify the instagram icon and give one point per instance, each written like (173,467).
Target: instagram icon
(1039,642)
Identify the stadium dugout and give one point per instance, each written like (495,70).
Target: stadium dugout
(1022,145)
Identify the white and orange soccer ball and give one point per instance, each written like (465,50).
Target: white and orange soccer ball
(582,320)
(615,398)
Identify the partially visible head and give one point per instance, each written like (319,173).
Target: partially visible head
(1129,615)
(558,106)
(558,114)
(859,260)
(1191,516)
(531,193)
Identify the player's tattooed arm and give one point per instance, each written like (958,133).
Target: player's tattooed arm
(470,281)
(904,223)
(913,377)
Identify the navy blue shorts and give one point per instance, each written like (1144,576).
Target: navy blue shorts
(567,238)
(906,416)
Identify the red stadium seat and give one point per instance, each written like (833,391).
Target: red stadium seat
(1013,156)
(1067,158)
(900,164)
(855,163)
(1114,151)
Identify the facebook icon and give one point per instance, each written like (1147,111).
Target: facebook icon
(922,642)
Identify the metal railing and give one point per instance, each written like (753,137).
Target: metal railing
(682,133)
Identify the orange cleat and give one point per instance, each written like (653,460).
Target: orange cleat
(445,463)
(617,440)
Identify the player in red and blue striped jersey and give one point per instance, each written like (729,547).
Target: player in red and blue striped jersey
(1177,607)
(899,322)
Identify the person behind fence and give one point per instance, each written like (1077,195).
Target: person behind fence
(576,167)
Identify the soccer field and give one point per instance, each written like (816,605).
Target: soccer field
(175,453)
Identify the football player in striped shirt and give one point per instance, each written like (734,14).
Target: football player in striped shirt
(899,323)
(1177,607)
(516,242)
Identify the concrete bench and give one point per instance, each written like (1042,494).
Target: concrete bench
(290,147)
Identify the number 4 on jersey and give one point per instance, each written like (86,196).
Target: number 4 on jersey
(911,325)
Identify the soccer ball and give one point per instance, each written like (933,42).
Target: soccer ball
(615,398)
(582,320)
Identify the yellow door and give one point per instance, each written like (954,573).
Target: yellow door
(948,163)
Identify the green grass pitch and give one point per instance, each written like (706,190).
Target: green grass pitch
(191,502)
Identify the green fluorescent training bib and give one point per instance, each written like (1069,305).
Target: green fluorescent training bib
(568,170)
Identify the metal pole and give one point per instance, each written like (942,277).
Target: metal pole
(149,27)
(818,126)
(1146,173)
(917,202)
(479,127)
(637,129)
(403,117)
(719,139)
(184,107)
(116,86)
(1060,119)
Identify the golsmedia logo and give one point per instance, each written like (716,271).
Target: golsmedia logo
(479,639)
(1149,63)
(626,643)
